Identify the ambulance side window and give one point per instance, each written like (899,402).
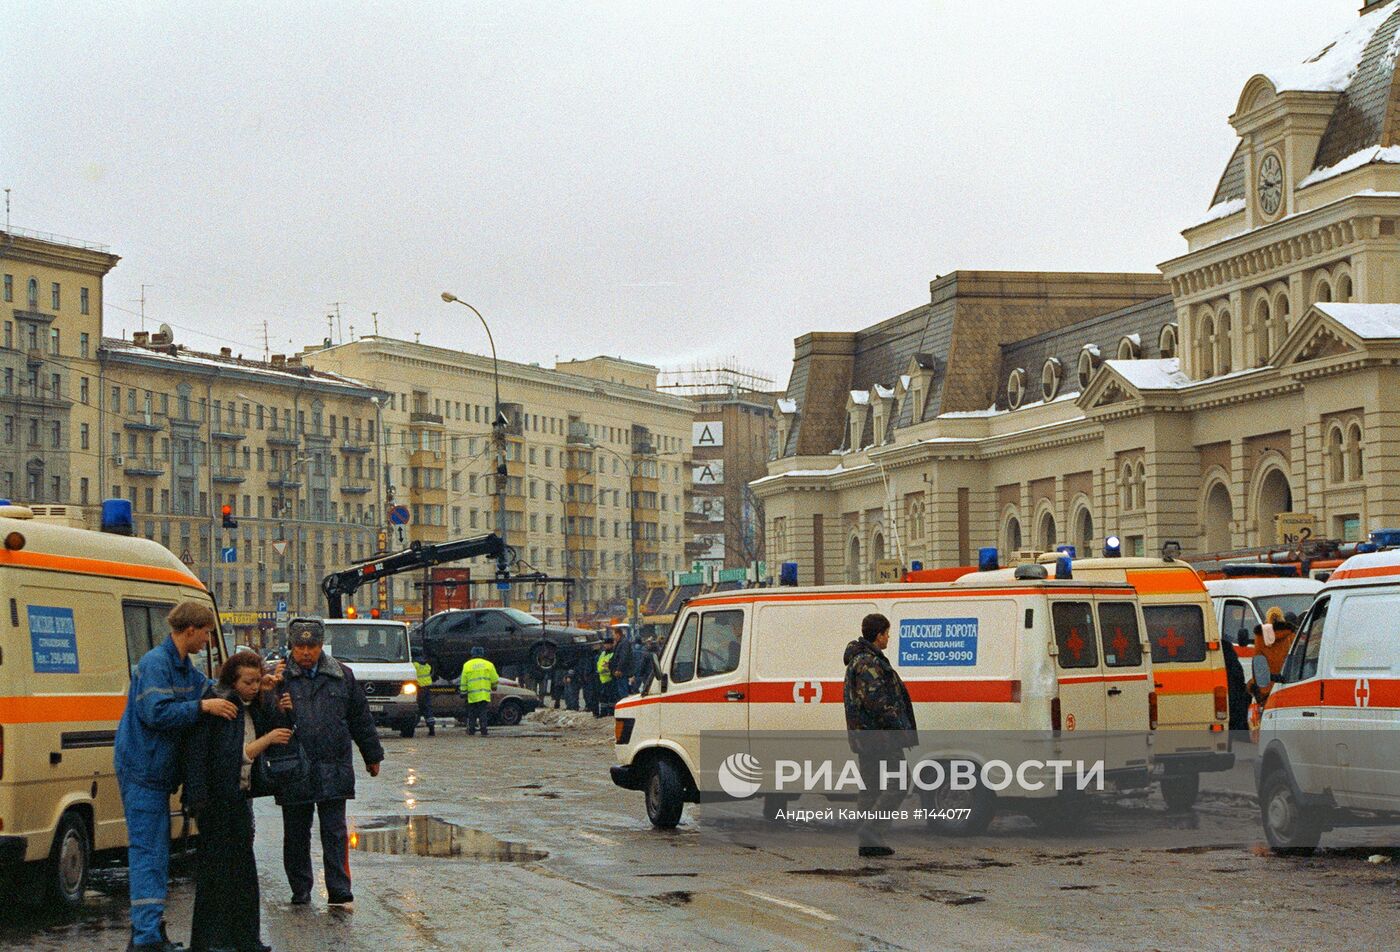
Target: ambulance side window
(719,642)
(683,661)
(1301,662)
(1074,634)
(1177,633)
(145,628)
(1122,642)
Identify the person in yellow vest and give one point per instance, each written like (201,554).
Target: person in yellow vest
(478,681)
(605,676)
(425,689)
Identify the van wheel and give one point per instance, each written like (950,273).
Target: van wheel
(972,811)
(1291,828)
(665,794)
(544,655)
(1181,790)
(69,863)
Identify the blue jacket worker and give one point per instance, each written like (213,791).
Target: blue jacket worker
(165,701)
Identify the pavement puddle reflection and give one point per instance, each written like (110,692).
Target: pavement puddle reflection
(432,836)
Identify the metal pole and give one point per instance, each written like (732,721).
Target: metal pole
(632,513)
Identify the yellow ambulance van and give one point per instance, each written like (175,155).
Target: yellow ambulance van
(1019,653)
(78,609)
(1188,667)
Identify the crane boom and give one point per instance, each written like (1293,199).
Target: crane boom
(339,585)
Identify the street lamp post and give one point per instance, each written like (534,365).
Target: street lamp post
(498,437)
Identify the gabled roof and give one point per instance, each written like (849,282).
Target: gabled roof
(1338,330)
(1366,321)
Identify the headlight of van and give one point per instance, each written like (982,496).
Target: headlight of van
(410,687)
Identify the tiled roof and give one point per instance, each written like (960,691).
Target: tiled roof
(1365,115)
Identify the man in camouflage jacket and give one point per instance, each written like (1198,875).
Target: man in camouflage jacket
(879,723)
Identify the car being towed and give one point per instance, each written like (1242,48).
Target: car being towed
(507,636)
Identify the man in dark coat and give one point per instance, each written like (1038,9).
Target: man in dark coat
(329,711)
(879,724)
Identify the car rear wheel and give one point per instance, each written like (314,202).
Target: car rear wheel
(544,655)
(1291,828)
(509,713)
(665,794)
(69,863)
(1181,790)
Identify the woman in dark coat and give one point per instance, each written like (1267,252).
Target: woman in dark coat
(220,783)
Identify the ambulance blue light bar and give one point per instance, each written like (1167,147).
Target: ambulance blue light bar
(116,517)
(1063,567)
(1068,550)
(1112,547)
(987,559)
(787,574)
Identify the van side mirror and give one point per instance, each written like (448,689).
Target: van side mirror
(662,677)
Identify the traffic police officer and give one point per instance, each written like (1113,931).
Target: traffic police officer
(163,703)
(425,689)
(478,681)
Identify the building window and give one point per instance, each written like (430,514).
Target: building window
(53,340)
(1050,377)
(33,294)
(83,491)
(56,436)
(1166,341)
(9,287)
(1130,347)
(82,300)
(1016,388)
(54,295)
(83,345)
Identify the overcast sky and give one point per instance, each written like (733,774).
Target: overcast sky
(670,182)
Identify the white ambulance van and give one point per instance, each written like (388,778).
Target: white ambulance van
(1329,739)
(1019,654)
(1242,603)
(78,609)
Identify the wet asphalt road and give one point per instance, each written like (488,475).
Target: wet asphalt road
(551,855)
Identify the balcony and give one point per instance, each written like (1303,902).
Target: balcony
(283,438)
(283,482)
(355,488)
(229,434)
(228,476)
(578,434)
(421,417)
(148,425)
(577,509)
(143,466)
(358,448)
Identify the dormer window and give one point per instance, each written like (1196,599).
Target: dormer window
(1050,376)
(1166,341)
(1130,347)
(1016,388)
(1088,362)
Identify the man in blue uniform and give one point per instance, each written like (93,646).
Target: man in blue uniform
(164,701)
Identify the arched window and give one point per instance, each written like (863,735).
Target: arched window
(1322,291)
(1140,478)
(1087,364)
(1084,531)
(1166,341)
(1283,322)
(1047,539)
(1127,488)
(1011,535)
(1336,455)
(1016,388)
(1354,460)
(1344,289)
(1216,517)
(33,292)
(1050,376)
(853,562)
(1223,360)
(1130,347)
(1263,333)
(1205,346)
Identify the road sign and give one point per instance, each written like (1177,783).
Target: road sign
(400,534)
(281,606)
(229,553)
(279,546)
(281,588)
(282,619)
(398,516)
(186,557)
(889,570)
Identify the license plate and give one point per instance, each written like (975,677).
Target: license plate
(376,708)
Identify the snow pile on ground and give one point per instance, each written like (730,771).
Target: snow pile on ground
(574,720)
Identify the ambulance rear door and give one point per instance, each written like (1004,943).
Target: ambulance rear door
(1083,704)
(1127,683)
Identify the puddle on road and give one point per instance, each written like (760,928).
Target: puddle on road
(431,836)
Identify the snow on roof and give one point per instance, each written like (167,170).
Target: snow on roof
(1135,338)
(1159,374)
(806,473)
(1331,68)
(1219,210)
(904,381)
(860,398)
(1367,321)
(970,414)
(787,406)
(884,393)
(1091,348)
(1386,154)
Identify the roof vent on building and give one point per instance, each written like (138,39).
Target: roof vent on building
(140,338)
(279,360)
(225,351)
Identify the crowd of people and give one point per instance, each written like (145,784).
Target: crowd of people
(599,678)
(289,733)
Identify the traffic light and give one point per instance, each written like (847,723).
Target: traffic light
(229,521)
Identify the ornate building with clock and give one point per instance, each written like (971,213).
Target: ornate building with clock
(1254,376)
